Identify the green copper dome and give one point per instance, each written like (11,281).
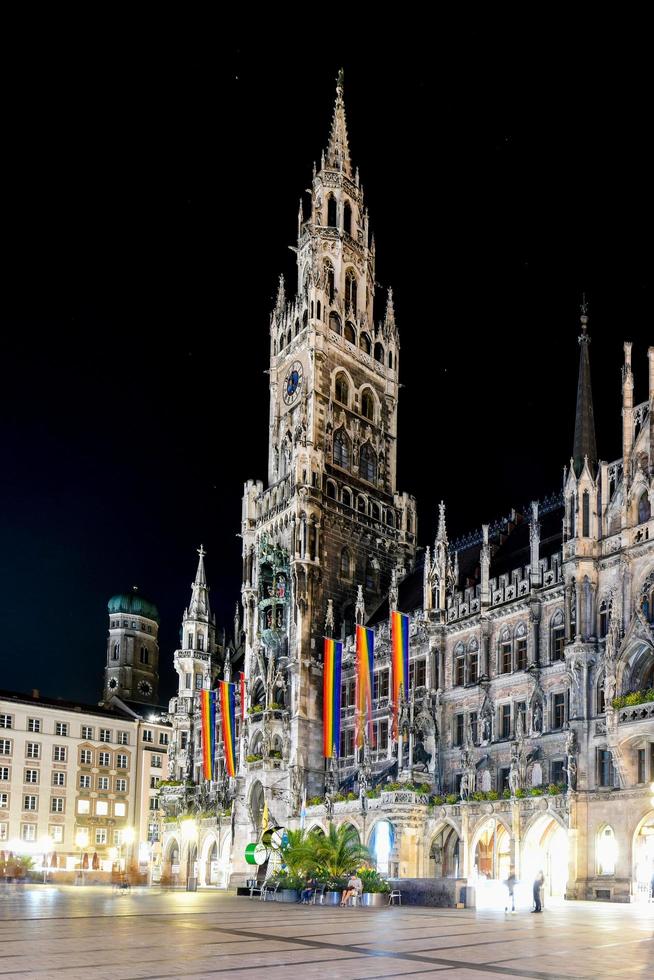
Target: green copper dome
(133,604)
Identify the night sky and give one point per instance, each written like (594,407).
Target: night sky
(150,198)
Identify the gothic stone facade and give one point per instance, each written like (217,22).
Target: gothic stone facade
(522,637)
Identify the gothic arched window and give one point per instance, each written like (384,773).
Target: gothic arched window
(318,310)
(288,338)
(350,333)
(331,211)
(374,512)
(368,463)
(341,449)
(345,563)
(644,508)
(331,489)
(115,653)
(329,280)
(390,518)
(365,343)
(297,327)
(362,505)
(342,390)
(604,612)
(585,514)
(144,655)
(346,498)
(335,323)
(347,218)
(371,576)
(350,291)
(368,405)
(557,638)
(390,359)
(606,851)
(379,353)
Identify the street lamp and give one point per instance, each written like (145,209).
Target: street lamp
(127,837)
(189,829)
(82,841)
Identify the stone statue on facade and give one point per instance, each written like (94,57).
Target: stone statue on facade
(537,719)
(571,761)
(514,772)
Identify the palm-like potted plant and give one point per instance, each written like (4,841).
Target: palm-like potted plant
(375,888)
(338,853)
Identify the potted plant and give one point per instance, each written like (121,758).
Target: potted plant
(290,886)
(375,888)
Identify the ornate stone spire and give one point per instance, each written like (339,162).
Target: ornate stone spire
(280,302)
(199,605)
(338,151)
(584,441)
(441,534)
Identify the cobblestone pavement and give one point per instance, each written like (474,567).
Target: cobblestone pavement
(87,932)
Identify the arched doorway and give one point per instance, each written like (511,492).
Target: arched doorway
(546,849)
(381,845)
(257,799)
(350,826)
(171,869)
(492,852)
(209,869)
(444,854)
(642,858)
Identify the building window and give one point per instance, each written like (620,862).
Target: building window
(85,782)
(115,653)
(33,750)
(144,655)
(505,658)
(505,721)
(101,808)
(119,809)
(6,721)
(459,671)
(33,724)
(86,757)
(558,711)
(521,654)
(154,802)
(154,782)
(121,785)
(4,831)
(198,682)
(417,673)
(4,801)
(104,759)
(183,740)
(155,762)
(86,732)
(473,670)
(341,449)
(368,405)
(474,727)
(57,804)
(458,732)
(503,776)
(123,738)
(59,753)
(382,737)
(31,775)
(103,782)
(30,802)
(4,773)
(342,390)
(121,761)
(105,735)
(585,514)
(5,746)
(605,767)
(642,777)
(101,835)
(147,733)
(28,831)
(61,728)
(56,831)
(58,778)
(163,738)
(558,642)
(368,463)
(331,211)
(83,806)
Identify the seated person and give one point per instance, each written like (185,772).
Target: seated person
(354,887)
(308,890)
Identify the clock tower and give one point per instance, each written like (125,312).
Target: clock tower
(330,524)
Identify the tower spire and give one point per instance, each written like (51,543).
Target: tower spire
(584,441)
(199,606)
(338,151)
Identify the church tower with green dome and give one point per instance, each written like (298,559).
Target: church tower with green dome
(132,671)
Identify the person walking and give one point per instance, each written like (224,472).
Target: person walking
(510,883)
(539,881)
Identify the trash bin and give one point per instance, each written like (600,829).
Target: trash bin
(191,884)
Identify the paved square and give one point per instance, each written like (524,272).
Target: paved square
(71,933)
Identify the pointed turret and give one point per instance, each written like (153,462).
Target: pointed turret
(338,151)
(280,302)
(584,442)
(199,605)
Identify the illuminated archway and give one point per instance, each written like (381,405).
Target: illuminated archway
(444,854)
(381,844)
(492,851)
(642,853)
(546,849)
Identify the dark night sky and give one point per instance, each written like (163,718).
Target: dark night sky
(150,198)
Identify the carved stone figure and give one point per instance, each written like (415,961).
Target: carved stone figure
(537,718)
(514,776)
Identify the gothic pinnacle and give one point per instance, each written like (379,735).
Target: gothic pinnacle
(584,438)
(338,151)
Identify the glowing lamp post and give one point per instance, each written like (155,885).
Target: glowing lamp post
(127,838)
(189,830)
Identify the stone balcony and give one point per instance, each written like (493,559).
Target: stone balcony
(636,712)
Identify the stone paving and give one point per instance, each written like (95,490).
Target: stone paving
(88,932)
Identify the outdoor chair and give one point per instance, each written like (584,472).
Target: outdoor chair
(318,897)
(395,897)
(267,890)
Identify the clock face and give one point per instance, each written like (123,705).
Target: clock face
(293,382)
(113,683)
(144,687)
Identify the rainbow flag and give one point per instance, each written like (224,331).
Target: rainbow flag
(399,662)
(228,716)
(331,698)
(365,651)
(208,719)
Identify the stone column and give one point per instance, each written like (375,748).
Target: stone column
(567,607)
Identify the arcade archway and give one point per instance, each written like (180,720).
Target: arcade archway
(381,844)
(444,854)
(643,858)
(546,849)
(492,851)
